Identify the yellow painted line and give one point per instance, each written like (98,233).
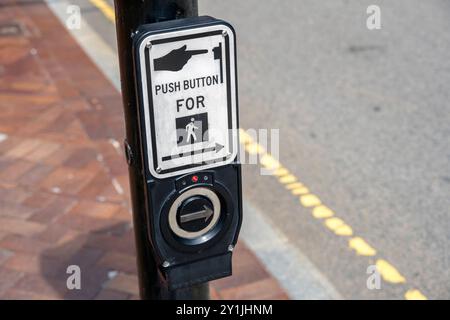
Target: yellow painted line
(334,223)
(280,172)
(361,247)
(287,179)
(310,200)
(414,294)
(344,231)
(294,185)
(244,137)
(267,160)
(300,191)
(254,148)
(105,8)
(388,272)
(320,211)
(339,227)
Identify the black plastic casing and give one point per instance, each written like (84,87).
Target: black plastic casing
(189,263)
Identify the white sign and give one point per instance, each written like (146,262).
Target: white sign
(189,99)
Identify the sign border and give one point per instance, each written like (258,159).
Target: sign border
(146,95)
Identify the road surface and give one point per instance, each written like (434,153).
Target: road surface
(364,122)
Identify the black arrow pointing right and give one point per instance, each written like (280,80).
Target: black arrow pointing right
(205,213)
(216,148)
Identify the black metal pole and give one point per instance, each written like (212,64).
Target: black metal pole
(130,14)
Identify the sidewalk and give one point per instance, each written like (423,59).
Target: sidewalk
(63,178)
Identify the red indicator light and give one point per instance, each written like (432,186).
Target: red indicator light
(194,178)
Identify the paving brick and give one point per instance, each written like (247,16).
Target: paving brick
(14,294)
(21,227)
(113,243)
(85,223)
(107,294)
(15,170)
(95,209)
(5,163)
(58,207)
(86,258)
(124,283)
(67,251)
(214,294)
(5,255)
(96,186)
(18,243)
(42,151)
(94,87)
(114,161)
(58,156)
(68,180)
(124,213)
(42,120)
(75,133)
(39,200)
(90,120)
(35,175)
(76,104)
(81,157)
(17,211)
(92,281)
(263,289)
(57,234)
(119,261)
(2,235)
(65,89)
(8,144)
(32,264)
(122,231)
(111,192)
(46,286)
(246,269)
(8,278)
(23,148)
(125,183)
(13,194)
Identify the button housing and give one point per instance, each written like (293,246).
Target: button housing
(205,177)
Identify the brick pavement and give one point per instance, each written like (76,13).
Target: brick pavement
(63,179)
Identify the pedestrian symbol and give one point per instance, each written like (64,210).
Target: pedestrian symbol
(192,129)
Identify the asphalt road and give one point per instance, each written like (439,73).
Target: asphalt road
(364,121)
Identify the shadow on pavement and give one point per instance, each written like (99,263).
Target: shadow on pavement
(88,252)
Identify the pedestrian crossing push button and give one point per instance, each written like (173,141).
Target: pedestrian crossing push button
(194,213)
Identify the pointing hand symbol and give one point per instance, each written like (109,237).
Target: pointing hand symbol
(176,59)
